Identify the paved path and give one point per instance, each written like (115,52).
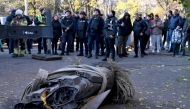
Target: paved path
(161,82)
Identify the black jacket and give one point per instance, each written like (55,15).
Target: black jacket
(100,25)
(56,29)
(139,26)
(166,21)
(9,19)
(126,30)
(75,23)
(29,22)
(67,22)
(186,27)
(112,20)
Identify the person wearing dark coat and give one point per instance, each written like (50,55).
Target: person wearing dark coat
(40,20)
(95,32)
(164,31)
(147,32)
(186,34)
(75,18)
(81,29)
(10,42)
(29,41)
(56,33)
(125,28)
(175,20)
(67,24)
(110,30)
(139,28)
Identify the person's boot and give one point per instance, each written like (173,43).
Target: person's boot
(120,55)
(22,52)
(96,56)
(80,54)
(86,54)
(39,52)
(56,53)
(67,54)
(15,55)
(136,56)
(2,50)
(89,55)
(105,59)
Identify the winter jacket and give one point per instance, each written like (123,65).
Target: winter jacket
(100,25)
(148,30)
(113,22)
(67,22)
(75,23)
(165,23)
(139,26)
(28,20)
(9,19)
(19,22)
(126,30)
(177,36)
(186,27)
(56,29)
(38,20)
(157,29)
(174,21)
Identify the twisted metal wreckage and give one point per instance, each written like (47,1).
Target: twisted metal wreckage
(76,87)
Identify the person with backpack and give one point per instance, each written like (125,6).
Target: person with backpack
(176,39)
(95,32)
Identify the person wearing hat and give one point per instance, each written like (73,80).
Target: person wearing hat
(81,33)
(75,18)
(10,42)
(40,21)
(125,28)
(68,29)
(95,32)
(110,31)
(19,20)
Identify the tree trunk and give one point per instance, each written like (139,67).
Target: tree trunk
(56,7)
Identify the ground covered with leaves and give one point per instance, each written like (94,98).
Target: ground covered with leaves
(161,82)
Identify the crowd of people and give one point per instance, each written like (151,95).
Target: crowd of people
(99,35)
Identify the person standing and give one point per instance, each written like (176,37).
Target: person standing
(28,41)
(139,28)
(56,33)
(10,42)
(176,39)
(147,32)
(174,21)
(186,34)
(67,24)
(81,33)
(110,31)
(75,18)
(156,26)
(40,21)
(19,20)
(125,28)
(164,31)
(95,31)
